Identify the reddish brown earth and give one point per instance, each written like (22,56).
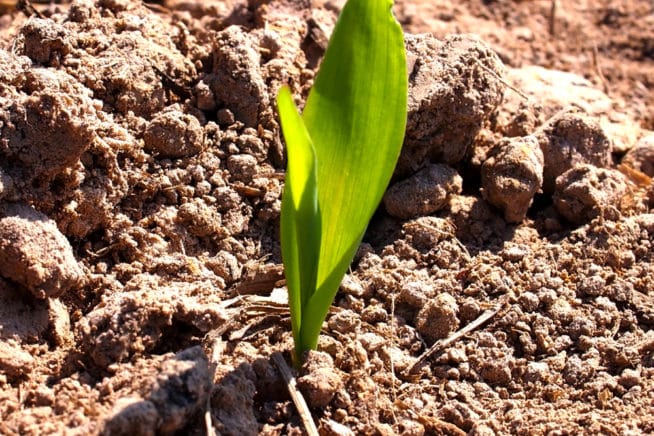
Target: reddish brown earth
(141,169)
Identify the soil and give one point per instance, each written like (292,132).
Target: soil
(141,170)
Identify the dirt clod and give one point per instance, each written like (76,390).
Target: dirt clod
(23,318)
(14,362)
(320,380)
(236,80)
(34,253)
(438,317)
(454,86)
(131,415)
(172,389)
(45,42)
(568,139)
(423,193)
(641,156)
(585,191)
(233,401)
(512,175)
(138,319)
(44,127)
(174,134)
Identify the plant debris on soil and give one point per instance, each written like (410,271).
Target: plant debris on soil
(141,169)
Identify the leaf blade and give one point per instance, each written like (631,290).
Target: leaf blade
(300,216)
(356,117)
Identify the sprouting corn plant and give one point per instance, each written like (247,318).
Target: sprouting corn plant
(341,153)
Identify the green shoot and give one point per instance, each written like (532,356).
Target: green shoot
(341,155)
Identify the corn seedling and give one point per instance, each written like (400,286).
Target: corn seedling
(341,154)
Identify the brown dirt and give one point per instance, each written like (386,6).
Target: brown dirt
(141,170)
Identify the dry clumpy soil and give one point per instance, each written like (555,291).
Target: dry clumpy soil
(141,170)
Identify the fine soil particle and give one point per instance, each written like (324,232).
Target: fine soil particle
(141,173)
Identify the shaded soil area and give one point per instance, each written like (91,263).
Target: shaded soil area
(141,171)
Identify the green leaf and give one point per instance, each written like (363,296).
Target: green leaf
(300,220)
(355,117)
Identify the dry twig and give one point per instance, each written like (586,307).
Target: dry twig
(296,395)
(213,348)
(501,80)
(598,70)
(552,28)
(444,343)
